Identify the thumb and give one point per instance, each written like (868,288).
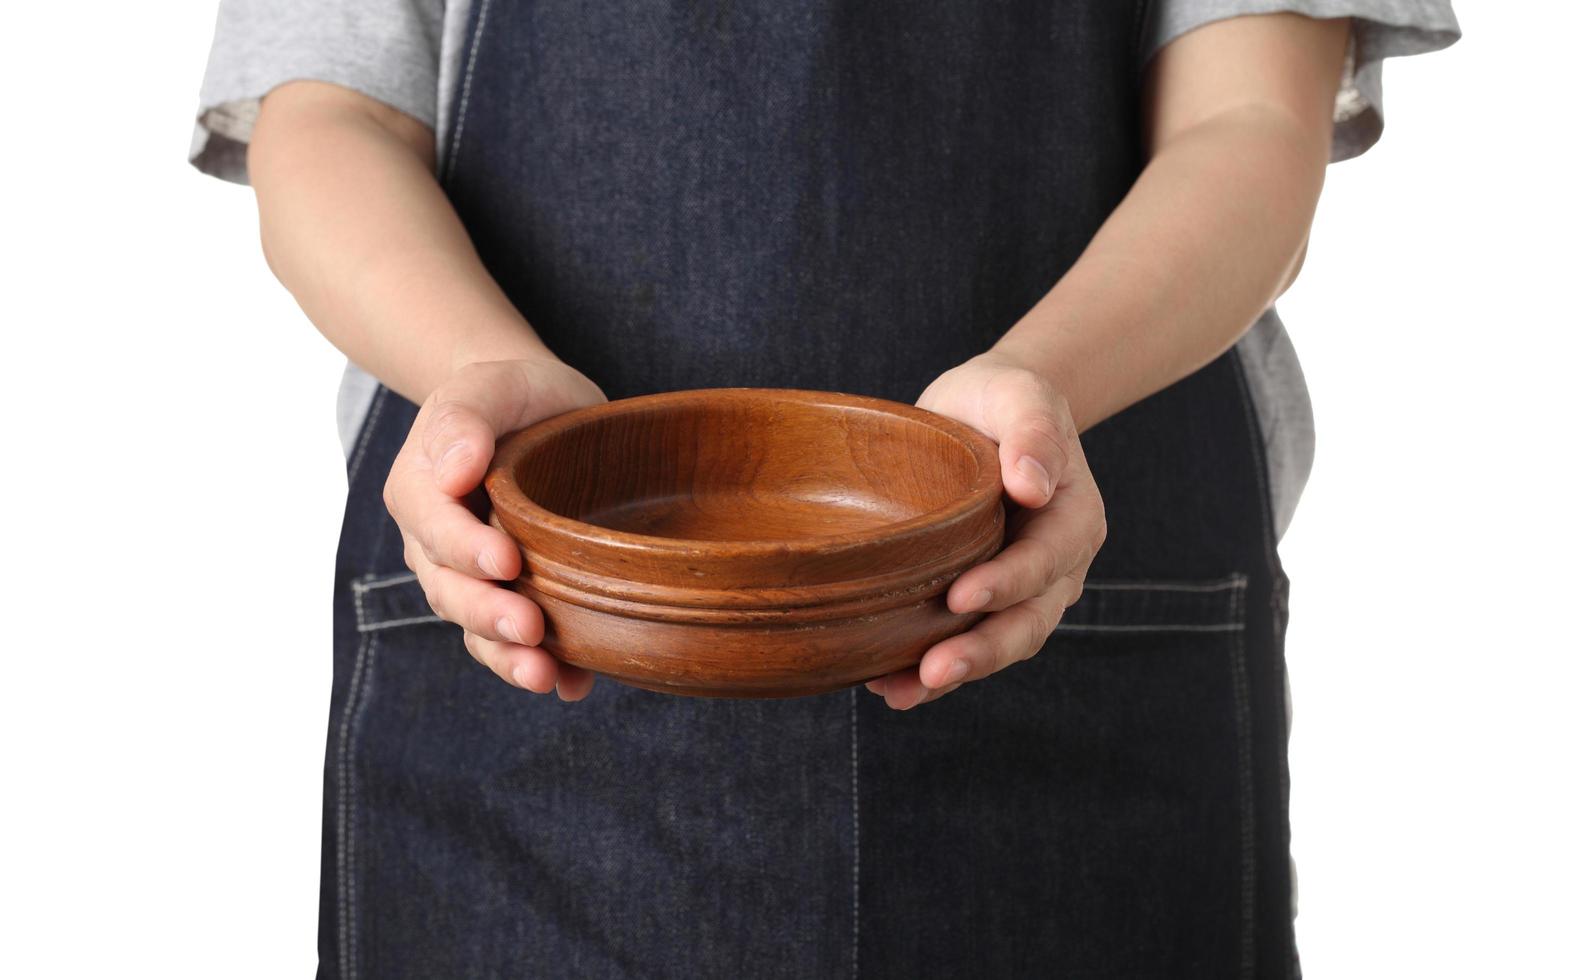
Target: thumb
(464,417)
(1034,432)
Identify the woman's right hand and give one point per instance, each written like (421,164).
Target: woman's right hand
(456,556)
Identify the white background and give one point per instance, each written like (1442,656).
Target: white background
(172,492)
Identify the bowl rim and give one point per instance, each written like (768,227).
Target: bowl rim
(507,495)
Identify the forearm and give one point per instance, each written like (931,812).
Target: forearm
(1203,244)
(355,225)
(1212,232)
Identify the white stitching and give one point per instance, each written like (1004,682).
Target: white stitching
(1276,575)
(408,621)
(358,608)
(1243,752)
(854,818)
(384,583)
(352,827)
(360,589)
(1233,582)
(344,806)
(1150,628)
(369,430)
(468,83)
(347,800)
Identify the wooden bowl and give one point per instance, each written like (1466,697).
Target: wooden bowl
(747,542)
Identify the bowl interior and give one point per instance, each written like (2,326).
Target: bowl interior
(748,469)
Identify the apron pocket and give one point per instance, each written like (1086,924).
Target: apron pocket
(385,601)
(1096,801)
(1132,606)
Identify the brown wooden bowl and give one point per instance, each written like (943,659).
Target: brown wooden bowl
(747,542)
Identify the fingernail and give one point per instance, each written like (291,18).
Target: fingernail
(978,600)
(488,565)
(509,629)
(956,672)
(1034,472)
(451,457)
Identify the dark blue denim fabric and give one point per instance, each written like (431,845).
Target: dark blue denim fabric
(847,196)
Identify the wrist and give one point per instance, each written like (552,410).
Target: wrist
(507,339)
(1039,350)
(1073,362)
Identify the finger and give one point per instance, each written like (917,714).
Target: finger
(530,668)
(903,689)
(479,607)
(445,530)
(463,418)
(1049,544)
(1035,436)
(1001,639)
(909,695)
(573,683)
(933,695)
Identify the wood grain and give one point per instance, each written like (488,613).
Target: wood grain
(747,542)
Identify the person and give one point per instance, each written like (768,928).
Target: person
(1063,223)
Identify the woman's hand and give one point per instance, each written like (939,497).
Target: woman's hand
(455,555)
(1026,587)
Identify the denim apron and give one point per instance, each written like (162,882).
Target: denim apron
(847,196)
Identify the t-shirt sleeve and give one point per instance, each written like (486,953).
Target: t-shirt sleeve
(386,49)
(1379,29)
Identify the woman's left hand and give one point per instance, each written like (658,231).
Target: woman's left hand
(1026,587)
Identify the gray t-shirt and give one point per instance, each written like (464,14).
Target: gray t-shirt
(407,54)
